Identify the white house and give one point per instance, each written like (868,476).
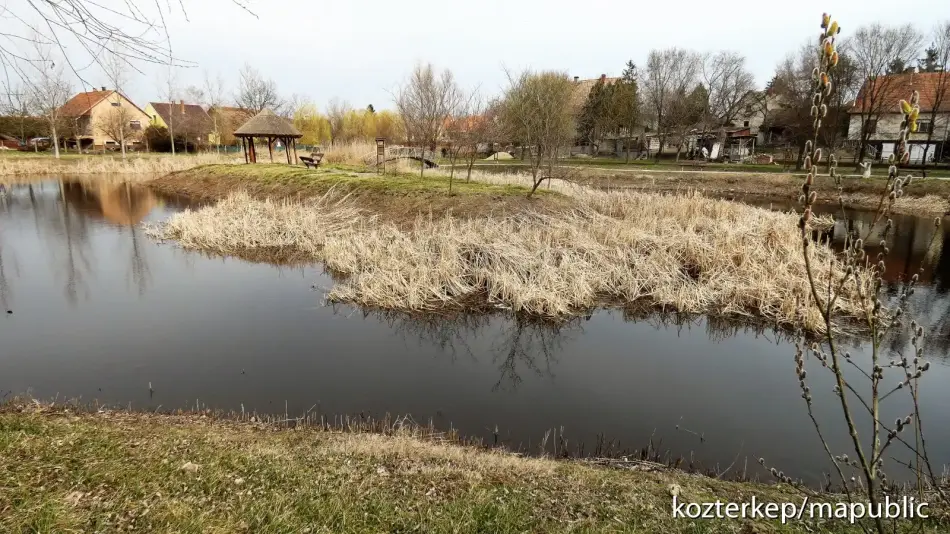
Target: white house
(884,127)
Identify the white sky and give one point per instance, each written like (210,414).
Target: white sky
(359,50)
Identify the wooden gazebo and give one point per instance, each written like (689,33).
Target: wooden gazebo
(268,125)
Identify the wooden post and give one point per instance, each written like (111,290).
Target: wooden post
(295,152)
(253,150)
(244,145)
(287,149)
(270,148)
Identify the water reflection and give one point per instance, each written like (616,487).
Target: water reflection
(64,215)
(101,312)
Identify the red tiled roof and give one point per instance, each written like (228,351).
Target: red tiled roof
(80,104)
(582,89)
(894,87)
(191,115)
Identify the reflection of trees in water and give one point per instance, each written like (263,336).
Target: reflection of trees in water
(75,235)
(534,344)
(520,343)
(62,221)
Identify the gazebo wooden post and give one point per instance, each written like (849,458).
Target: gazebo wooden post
(244,145)
(270,148)
(253,150)
(295,151)
(287,149)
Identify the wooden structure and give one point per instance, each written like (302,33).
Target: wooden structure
(269,126)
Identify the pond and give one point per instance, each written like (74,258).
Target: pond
(102,313)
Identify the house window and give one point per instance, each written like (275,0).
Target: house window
(745,124)
(115,104)
(135,125)
(925,127)
(872,126)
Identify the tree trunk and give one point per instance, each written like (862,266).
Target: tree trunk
(171,135)
(55,139)
(122,140)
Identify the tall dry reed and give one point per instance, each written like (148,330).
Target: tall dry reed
(149,165)
(686,253)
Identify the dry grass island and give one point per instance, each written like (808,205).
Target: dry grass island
(64,469)
(403,242)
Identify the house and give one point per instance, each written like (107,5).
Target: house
(613,142)
(884,127)
(758,112)
(87,114)
(189,121)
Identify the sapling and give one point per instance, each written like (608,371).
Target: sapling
(861,283)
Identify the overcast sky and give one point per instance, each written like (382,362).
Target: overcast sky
(359,50)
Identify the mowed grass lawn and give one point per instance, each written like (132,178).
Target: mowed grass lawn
(66,471)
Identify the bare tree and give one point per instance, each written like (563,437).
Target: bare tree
(49,88)
(536,112)
(256,93)
(670,74)
(117,121)
(20,106)
(874,49)
(425,103)
(336,115)
(729,82)
(213,92)
(85,28)
(169,91)
(117,124)
(941,59)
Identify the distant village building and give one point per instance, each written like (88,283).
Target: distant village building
(885,128)
(86,112)
(189,121)
(613,143)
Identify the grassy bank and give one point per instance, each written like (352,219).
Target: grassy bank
(26,164)
(575,251)
(398,197)
(68,471)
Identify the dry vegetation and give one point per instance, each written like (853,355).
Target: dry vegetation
(921,197)
(63,470)
(686,253)
(145,166)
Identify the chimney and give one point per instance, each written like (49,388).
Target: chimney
(103,87)
(182,104)
(603,77)
(577,79)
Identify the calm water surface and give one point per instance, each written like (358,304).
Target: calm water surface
(100,311)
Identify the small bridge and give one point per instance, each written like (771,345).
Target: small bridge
(424,156)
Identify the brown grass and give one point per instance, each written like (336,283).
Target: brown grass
(687,253)
(149,166)
(67,470)
(928,196)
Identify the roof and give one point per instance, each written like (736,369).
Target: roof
(194,116)
(80,104)
(267,124)
(582,89)
(895,87)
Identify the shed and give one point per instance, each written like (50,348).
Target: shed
(268,125)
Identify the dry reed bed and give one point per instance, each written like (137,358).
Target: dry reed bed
(687,253)
(112,165)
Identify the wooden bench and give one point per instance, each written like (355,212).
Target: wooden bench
(313,160)
(691,165)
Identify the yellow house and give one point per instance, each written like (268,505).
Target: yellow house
(190,121)
(91,115)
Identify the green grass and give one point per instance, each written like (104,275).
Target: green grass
(64,471)
(349,178)
(671,165)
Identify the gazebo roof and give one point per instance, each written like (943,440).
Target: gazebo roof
(267,124)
